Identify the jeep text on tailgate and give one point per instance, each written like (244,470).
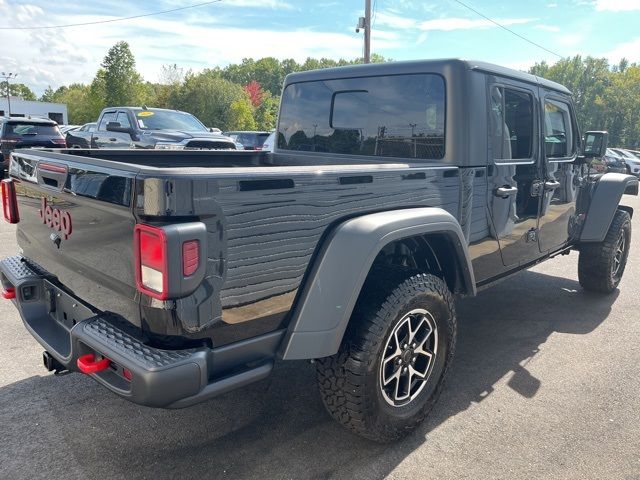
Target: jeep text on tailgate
(171,277)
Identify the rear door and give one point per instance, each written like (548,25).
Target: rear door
(560,145)
(515,171)
(76,220)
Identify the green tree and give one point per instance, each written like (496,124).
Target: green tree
(47,95)
(241,115)
(17,90)
(123,85)
(267,112)
(209,98)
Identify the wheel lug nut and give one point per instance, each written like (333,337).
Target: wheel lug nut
(405,370)
(414,345)
(405,346)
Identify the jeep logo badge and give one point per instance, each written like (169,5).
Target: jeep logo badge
(55,218)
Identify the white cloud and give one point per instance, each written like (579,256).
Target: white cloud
(449,24)
(394,21)
(548,28)
(203,39)
(617,5)
(629,50)
(275,4)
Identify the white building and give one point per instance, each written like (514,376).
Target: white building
(24,108)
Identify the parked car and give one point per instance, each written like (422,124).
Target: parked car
(26,132)
(157,128)
(435,179)
(630,159)
(269,143)
(64,129)
(81,137)
(614,162)
(250,140)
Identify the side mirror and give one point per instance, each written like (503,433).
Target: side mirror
(595,144)
(116,127)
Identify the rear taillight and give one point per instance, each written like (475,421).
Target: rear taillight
(10,139)
(59,141)
(10,201)
(169,259)
(190,257)
(152,275)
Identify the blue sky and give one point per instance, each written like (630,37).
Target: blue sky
(226,32)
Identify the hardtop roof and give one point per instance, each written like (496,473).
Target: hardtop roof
(420,66)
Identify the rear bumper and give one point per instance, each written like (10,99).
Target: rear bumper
(68,329)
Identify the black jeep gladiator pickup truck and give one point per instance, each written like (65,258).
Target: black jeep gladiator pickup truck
(142,127)
(173,277)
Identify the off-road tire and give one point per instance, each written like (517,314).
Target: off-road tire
(349,381)
(597,262)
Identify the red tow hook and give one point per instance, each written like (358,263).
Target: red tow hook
(88,364)
(9,293)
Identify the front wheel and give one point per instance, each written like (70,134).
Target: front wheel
(601,265)
(392,363)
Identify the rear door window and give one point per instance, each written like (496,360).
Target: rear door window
(511,124)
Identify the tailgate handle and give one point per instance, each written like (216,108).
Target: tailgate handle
(52,174)
(88,364)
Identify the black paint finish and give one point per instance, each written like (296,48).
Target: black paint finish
(267,215)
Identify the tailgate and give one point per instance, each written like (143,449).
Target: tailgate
(76,222)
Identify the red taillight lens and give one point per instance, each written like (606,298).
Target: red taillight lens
(10,201)
(152,276)
(190,257)
(59,141)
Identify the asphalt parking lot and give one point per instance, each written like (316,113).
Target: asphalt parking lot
(545,385)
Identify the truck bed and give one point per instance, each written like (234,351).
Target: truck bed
(264,224)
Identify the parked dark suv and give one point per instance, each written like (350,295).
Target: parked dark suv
(24,133)
(249,140)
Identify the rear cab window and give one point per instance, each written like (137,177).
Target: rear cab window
(384,116)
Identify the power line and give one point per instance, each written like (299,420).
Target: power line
(112,20)
(507,29)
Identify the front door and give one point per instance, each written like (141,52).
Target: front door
(557,212)
(515,170)
(108,139)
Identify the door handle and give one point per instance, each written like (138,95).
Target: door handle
(113,139)
(505,191)
(551,185)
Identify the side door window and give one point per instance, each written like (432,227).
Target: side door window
(123,120)
(558,135)
(106,118)
(560,183)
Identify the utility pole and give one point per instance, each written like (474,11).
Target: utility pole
(7,77)
(365,24)
(367,31)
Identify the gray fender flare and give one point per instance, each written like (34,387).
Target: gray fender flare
(324,307)
(604,202)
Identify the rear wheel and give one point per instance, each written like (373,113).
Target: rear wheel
(601,265)
(391,365)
